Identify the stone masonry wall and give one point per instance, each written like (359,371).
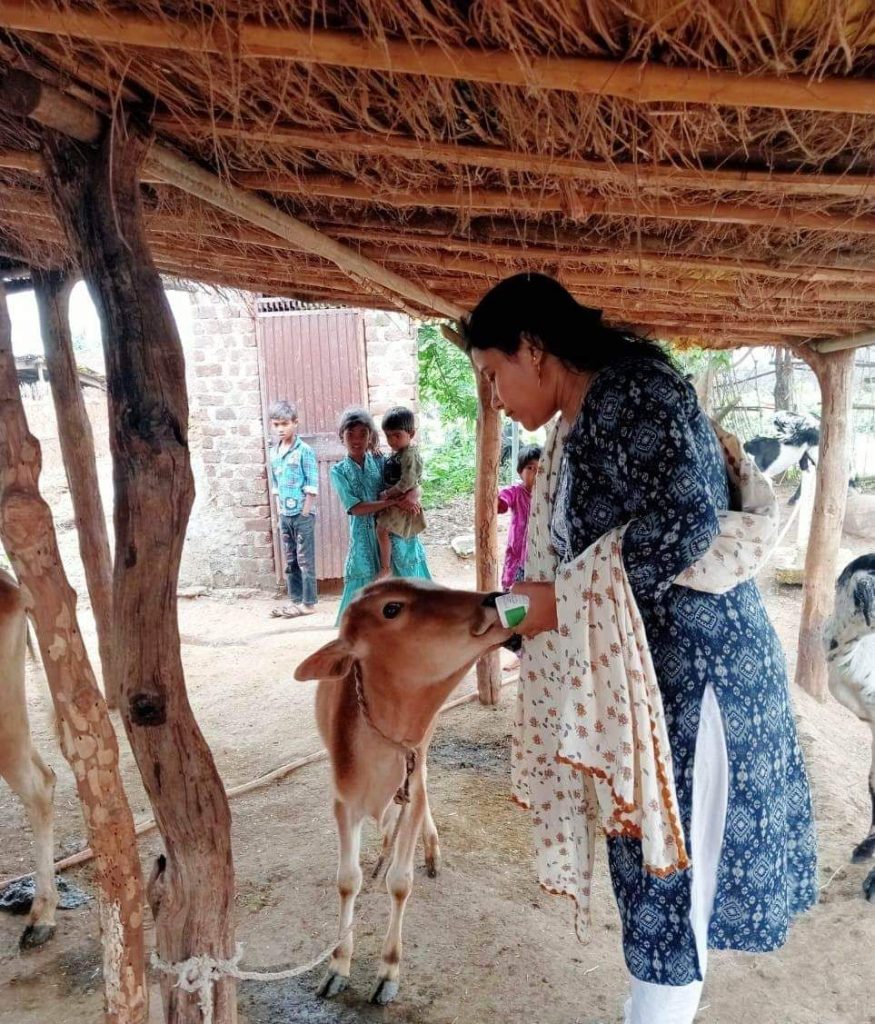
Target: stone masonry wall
(229,534)
(390,346)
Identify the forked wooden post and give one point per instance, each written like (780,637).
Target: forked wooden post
(87,738)
(835,372)
(486,526)
(96,195)
(52,290)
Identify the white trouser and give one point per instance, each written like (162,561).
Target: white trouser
(677,1004)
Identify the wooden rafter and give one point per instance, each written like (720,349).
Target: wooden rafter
(501,159)
(22,94)
(251,39)
(539,202)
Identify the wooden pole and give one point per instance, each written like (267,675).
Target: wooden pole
(725,179)
(861,340)
(88,741)
(96,195)
(52,291)
(835,373)
(486,525)
(252,38)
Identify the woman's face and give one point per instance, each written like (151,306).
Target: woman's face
(356,440)
(515,384)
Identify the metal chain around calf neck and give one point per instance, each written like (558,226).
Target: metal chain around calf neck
(402,795)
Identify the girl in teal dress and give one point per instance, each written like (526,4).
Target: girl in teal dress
(358,481)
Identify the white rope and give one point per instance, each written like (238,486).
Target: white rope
(198,974)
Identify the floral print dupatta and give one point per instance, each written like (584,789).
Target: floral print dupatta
(591,749)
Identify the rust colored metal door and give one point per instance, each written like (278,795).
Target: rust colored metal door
(315,358)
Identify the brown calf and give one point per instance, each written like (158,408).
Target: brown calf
(21,766)
(403,647)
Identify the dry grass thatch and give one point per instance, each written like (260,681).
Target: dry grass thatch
(715,223)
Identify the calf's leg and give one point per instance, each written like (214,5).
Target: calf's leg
(429,832)
(399,882)
(349,882)
(34,783)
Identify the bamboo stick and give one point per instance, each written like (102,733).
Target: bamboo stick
(843,344)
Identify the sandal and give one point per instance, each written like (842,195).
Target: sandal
(288,611)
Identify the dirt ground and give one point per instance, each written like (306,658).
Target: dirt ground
(483,944)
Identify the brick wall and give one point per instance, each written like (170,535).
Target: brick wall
(229,534)
(390,346)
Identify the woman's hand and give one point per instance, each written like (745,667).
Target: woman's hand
(542,607)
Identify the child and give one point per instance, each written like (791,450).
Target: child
(517,498)
(402,472)
(294,482)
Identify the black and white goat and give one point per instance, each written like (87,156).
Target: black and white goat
(796,437)
(849,637)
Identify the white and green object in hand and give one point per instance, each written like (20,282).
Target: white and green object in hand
(512,609)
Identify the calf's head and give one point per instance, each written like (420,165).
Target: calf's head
(412,628)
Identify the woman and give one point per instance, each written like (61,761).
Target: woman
(635,457)
(358,481)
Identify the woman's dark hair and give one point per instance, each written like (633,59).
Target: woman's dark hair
(537,307)
(528,453)
(355,416)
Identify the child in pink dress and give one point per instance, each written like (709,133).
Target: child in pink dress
(517,499)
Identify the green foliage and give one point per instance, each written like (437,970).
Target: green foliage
(694,360)
(446,378)
(447,390)
(450,466)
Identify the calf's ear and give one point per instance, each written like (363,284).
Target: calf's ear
(333,660)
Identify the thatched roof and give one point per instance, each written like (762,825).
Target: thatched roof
(703,170)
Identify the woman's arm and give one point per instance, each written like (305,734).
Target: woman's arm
(541,615)
(369,508)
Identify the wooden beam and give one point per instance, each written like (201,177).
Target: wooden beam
(188,176)
(539,202)
(52,292)
(20,160)
(85,731)
(97,197)
(835,374)
(638,82)
(826,345)
(496,158)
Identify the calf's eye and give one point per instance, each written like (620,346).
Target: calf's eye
(391,609)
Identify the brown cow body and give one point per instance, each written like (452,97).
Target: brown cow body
(21,766)
(403,647)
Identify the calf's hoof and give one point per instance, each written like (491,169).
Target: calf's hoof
(384,991)
(869,886)
(865,851)
(332,985)
(35,935)
(431,867)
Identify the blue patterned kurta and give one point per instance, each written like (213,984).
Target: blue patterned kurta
(642,452)
(355,484)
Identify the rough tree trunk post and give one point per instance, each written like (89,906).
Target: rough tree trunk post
(52,290)
(96,195)
(486,526)
(785,397)
(87,738)
(835,373)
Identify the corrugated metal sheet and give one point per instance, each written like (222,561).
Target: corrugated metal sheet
(316,359)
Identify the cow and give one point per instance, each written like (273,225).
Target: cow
(21,766)
(403,647)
